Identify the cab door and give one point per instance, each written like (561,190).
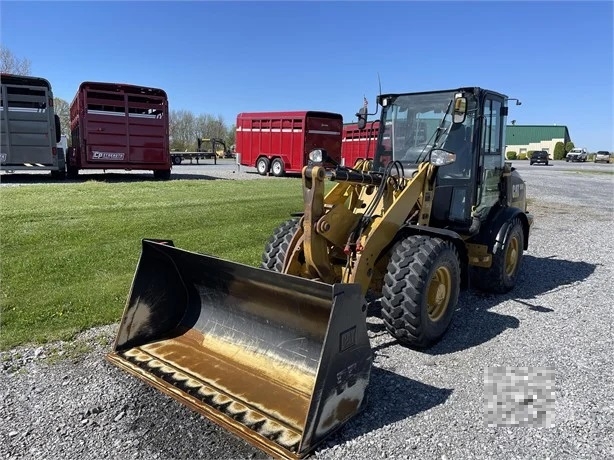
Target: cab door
(491,151)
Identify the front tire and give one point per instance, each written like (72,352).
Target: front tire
(502,275)
(420,291)
(276,248)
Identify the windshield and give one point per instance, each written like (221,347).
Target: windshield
(413,124)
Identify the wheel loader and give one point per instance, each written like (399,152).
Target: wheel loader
(279,354)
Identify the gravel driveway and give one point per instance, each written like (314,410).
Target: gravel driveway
(64,401)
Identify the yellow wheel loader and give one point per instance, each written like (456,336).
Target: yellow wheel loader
(279,354)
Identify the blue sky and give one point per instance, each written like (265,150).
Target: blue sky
(228,57)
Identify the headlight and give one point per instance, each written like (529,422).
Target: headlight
(440,157)
(316,156)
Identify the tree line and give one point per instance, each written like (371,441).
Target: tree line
(185,127)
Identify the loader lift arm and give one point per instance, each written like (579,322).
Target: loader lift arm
(383,203)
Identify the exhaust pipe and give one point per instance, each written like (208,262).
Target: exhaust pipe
(279,360)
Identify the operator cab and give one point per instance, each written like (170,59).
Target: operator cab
(459,130)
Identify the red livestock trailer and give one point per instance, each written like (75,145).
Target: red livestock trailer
(280,142)
(358,143)
(119,126)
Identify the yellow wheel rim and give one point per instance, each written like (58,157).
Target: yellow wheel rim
(511,256)
(438,293)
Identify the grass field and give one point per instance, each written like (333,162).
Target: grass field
(69,251)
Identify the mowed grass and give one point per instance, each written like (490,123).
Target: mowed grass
(69,251)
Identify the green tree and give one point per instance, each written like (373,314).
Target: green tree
(559,151)
(569,146)
(231,137)
(62,110)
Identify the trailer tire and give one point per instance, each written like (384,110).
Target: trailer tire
(421,289)
(162,174)
(262,165)
(277,167)
(502,275)
(177,160)
(277,246)
(72,172)
(59,174)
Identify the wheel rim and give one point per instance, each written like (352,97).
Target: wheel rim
(439,291)
(261,166)
(276,168)
(511,257)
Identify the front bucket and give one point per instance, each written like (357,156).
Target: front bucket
(279,360)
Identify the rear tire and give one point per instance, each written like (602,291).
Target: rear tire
(177,160)
(72,172)
(58,175)
(502,275)
(262,165)
(420,290)
(162,174)
(277,167)
(276,248)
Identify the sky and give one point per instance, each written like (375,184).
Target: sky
(223,58)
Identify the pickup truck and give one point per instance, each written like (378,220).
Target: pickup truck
(602,155)
(539,156)
(577,154)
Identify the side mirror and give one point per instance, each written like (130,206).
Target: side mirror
(460,109)
(362,118)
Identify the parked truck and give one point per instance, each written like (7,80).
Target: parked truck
(119,126)
(280,142)
(29,128)
(577,154)
(358,143)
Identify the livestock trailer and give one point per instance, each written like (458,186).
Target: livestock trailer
(119,126)
(29,126)
(358,143)
(280,142)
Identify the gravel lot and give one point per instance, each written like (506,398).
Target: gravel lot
(63,401)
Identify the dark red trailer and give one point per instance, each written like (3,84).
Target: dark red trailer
(119,126)
(358,143)
(280,142)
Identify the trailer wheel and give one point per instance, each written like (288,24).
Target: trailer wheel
(277,167)
(177,160)
(262,165)
(276,248)
(420,290)
(58,175)
(502,275)
(162,174)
